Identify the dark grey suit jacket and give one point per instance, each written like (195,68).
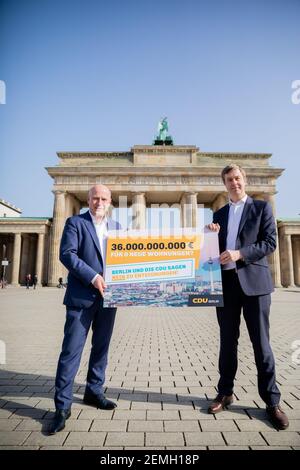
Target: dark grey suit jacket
(256,239)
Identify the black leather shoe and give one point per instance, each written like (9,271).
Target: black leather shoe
(99,401)
(277,417)
(59,421)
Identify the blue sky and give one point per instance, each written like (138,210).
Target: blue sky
(98,75)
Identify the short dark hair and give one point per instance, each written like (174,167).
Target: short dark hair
(232,166)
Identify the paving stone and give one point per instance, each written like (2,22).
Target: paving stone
(232,414)
(282,438)
(294,404)
(85,439)
(254,425)
(71,425)
(195,448)
(182,426)
(21,403)
(243,438)
(162,415)
(145,426)
(39,439)
(33,413)
(94,414)
(220,425)
(125,439)
(103,449)
(203,438)
(6,413)
(60,448)
(19,447)
(13,437)
(130,414)
(164,439)
(145,448)
(229,447)
(195,414)
(270,448)
(145,406)
(109,425)
(9,424)
(177,406)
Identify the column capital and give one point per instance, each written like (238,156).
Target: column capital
(59,216)
(220,200)
(58,191)
(189,214)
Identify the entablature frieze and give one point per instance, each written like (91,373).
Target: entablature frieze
(9,226)
(289,228)
(153,180)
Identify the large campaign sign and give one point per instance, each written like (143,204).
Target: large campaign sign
(175,269)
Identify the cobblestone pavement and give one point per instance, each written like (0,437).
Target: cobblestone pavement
(162,372)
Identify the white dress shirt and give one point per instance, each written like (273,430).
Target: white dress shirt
(101,231)
(234,218)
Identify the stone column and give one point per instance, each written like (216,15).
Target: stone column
(32,254)
(296,256)
(77,206)
(139,211)
(40,257)
(290,260)
(68,205)
(16,260)
(9,255)
(72,205)
(24,257)
(274,258)
(189,208)
(55,267)
(220,201)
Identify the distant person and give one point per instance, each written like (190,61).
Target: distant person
(83,252)
(28,281)
(60,283)
(35,281)
(247,234)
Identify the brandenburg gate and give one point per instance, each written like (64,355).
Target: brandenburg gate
(153,174)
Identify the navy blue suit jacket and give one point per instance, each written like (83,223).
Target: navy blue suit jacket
(80,253)
(256,239)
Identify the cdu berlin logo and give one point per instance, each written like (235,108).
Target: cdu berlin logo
(207,300)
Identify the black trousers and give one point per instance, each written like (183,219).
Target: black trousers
(256,310)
